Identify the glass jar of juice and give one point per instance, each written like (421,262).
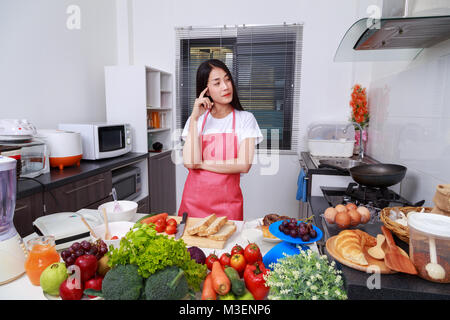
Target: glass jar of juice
(41,254)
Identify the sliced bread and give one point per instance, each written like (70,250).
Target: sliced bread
(214,227)
(224,233)
(202,225)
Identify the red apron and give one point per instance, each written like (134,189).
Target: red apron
(207,192)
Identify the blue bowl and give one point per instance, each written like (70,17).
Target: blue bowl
(277,252)
(274,229)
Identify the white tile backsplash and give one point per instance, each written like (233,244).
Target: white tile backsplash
(410,125)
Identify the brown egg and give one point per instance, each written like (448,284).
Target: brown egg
(365,214)
(351,206)
(340,208)
(355,218)
(342,219)
(330,215)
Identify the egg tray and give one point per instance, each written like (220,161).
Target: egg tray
(401,231)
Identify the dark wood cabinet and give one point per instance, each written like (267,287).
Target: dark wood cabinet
(85,193)
(27,210)
(162,188)
(143,206)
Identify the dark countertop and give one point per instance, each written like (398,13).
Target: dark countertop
(87,168)
(392,286)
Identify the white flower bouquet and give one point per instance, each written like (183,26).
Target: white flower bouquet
(305,276)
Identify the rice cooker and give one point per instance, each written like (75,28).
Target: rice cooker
(65,147)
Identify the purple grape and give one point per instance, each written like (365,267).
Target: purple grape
(65,254)
(76,246)
(93,250)
(293,233)
(73,256)
(79,253)
(103,250)
(86,245)
(313,233)
(281,228)
(285,223)
(70,261)
(291,225)
(305,237)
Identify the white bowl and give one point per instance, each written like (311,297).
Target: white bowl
(118,228)
(127,212)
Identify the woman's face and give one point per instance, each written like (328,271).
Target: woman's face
(220,88)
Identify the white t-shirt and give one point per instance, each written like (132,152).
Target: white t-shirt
(246,126)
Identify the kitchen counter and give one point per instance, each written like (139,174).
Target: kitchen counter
(22,289)
(392,286)
(87,168)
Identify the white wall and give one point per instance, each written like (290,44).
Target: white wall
(409,104)
(325,87)
(48,73)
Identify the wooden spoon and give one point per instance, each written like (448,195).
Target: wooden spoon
(376,251)
(105,218)
(87,225)
(394,259)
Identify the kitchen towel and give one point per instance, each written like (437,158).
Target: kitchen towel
(301,186)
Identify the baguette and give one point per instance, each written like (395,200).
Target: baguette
(214,227)
(224,233)
(202,225)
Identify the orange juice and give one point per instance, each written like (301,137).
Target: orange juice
(41,255)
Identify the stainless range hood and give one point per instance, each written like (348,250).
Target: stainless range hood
(392,38)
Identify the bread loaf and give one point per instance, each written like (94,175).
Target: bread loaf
(214,227)
(224,233)
(442,197)
(350,244)
(202,225)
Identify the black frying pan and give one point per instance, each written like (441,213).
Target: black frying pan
(374,175)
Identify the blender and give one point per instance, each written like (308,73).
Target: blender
(12,249)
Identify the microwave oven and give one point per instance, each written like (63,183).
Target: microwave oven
(127,182)
(102,140)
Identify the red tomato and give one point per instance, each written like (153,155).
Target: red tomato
(210,260)
(160,225)
(238,262)
(252,253)
(225,259)
(237,249)
(115,238)
(171,222)
(171,229)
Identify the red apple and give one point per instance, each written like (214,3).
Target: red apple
(68,290)
(94,283)
(88,266)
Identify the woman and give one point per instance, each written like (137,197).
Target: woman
(220,143)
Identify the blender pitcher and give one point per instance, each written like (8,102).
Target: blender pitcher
(12,249)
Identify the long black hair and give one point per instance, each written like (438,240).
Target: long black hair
(203,72)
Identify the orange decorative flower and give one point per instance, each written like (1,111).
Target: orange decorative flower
(358,102)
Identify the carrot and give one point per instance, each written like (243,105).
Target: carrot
(208,292)
(220,281)
(156,217)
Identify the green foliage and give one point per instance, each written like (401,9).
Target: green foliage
(151,252)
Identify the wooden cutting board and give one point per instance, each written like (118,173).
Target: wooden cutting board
(198,241)
(331,248)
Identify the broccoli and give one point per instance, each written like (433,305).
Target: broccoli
(167,284)
(123,283)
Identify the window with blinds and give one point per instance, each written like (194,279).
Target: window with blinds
(265,62)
